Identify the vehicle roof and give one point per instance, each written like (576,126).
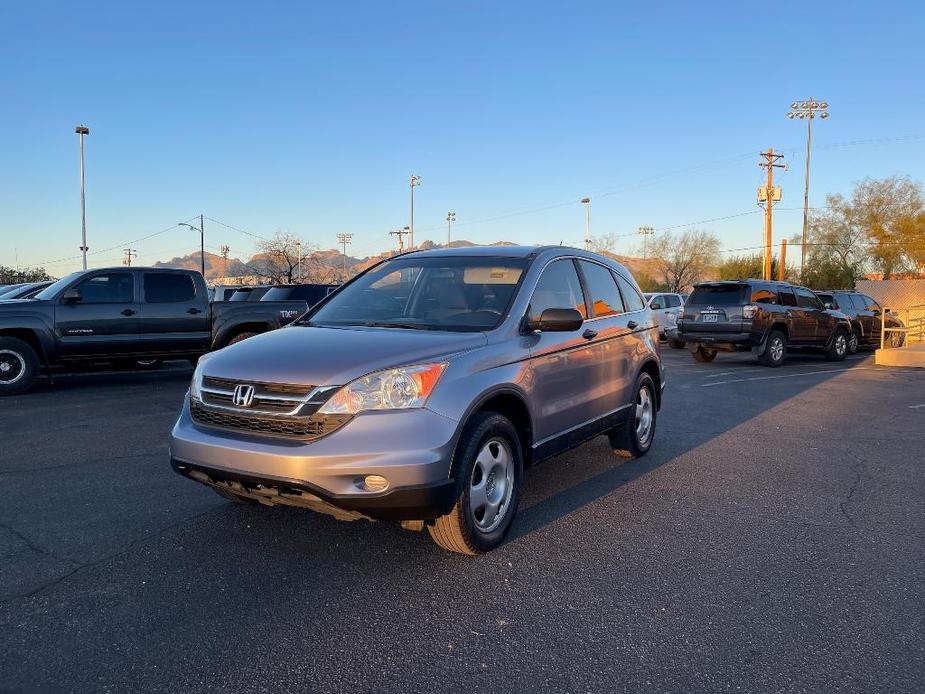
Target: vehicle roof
(475,251)
(750,280)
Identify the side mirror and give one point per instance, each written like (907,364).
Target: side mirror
(828,305)
(71,296)
(556,320)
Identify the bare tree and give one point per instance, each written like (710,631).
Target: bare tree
(684,259)
(277,260)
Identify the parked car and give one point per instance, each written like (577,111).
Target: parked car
(765,317)
(24,291)
(249,293)
(419,390)
(665,307)
(7,288)
(309,293)
(130,316)
(866,317)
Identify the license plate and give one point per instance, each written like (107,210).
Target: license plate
(710,318)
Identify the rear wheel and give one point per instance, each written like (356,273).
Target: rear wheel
(239,337)
(676,344)
(704,354)
(854,342)
(19,366)
(775,351)
(489,468)
(634,438)
(838,350)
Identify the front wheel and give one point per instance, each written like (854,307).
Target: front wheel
(19,366)
(489,468)
(839,347)
(634,437)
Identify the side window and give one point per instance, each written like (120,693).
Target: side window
(763,295)
(673,300)
(168,288)
(857,301)
(872,304)
(806,299)
(605,297)
(111,288)
(632,299)
(786,297)
(657,302)
(558,288)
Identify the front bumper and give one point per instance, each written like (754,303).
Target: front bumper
(412,449)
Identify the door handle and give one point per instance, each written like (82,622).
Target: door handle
(128,312)
(589,334)
(194,311)
(632,325)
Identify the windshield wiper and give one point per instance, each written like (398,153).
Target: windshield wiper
(386,324)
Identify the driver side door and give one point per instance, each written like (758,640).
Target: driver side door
(104,322)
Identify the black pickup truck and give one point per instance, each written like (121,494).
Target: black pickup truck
(129,316)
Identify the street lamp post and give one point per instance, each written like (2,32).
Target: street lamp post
(415,181)
(202,242)
(450,218)
(82,130)
(645,232)
(587,203)
(808,109)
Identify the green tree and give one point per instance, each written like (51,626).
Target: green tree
(891,213)
(10,275)
(838,254)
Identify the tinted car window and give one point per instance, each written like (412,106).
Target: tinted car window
(806,299)
(632,299)
(605,297)
(719,295)
(657,302)
(673,300)
(764,295)
(787,297)
(168,288)
(872,304)
(857,302)
(558,288)
(111,288)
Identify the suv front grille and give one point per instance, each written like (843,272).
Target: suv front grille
(303,428)
(283,398)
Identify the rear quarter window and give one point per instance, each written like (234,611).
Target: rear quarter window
(167,288)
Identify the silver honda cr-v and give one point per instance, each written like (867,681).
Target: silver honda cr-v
(419,391)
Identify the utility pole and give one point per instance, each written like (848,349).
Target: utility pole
(587,203)
(400,233)
(226,249)
(345,239)
(82,130)
(808,109)
(450,218)
(129,254)
(415,181)
(645,232)
(768,195)
(782,268)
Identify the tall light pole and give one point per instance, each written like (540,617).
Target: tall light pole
(808,109)
(587,203)
(82,130)
(202,242)
(345,239)
(645,233)
(415,181)
(450,218)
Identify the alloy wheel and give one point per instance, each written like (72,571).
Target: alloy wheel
(644,411)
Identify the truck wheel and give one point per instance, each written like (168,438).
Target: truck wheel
(239,337)
(19,366)
(775,351)
(676,344)
(839,348)
(704,354)
(854,342)
(489,468)
(634,437)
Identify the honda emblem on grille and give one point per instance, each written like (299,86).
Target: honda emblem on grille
(243,395)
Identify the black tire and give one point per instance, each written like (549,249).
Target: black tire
(838,350)
(676,344)
(239,337)
(461,530)
(704,354)
(775,350)
(630,439)
(19,366)
(854,342)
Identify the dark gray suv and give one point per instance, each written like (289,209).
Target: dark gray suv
(419,391)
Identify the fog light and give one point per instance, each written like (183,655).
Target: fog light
(373,483)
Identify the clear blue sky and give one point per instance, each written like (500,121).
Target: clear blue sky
(310,117)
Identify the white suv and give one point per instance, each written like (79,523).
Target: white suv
(665,309)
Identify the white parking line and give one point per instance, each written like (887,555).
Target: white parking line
(915,407)
(802,373)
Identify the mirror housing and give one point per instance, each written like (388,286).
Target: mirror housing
(71,296)
(876,312)
(556,320)
(828,305)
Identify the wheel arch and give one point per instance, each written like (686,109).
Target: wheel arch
(232,331)
(650,366)
(509,402)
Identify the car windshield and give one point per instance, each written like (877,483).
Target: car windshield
(718,295)
(458,294)
(52,290)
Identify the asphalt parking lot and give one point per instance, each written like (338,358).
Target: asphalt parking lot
(773,540)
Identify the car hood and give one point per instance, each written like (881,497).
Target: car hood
(310,355)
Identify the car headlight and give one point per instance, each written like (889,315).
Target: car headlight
(195,386)
(392,389)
